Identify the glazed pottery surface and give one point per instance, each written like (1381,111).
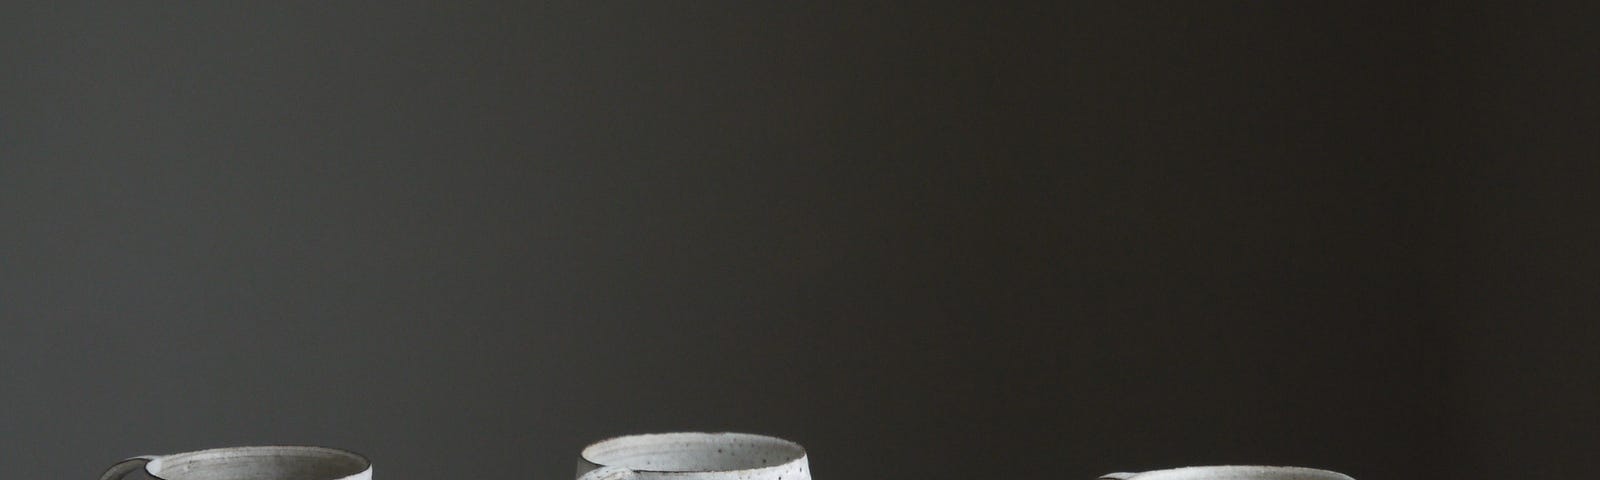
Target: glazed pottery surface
(694,456)
(246,463)
(1231,472)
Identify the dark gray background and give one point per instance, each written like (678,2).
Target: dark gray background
(926,241)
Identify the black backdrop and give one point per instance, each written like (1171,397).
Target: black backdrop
(926,241)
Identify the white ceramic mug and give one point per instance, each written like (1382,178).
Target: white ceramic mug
(1230,472)
(246,463)
(694,456)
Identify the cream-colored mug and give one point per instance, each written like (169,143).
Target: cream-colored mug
(694,456)
(246,463)
(1230,472)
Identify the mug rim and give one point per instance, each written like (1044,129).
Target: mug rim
(800,457)
(364,465)
(1245,469)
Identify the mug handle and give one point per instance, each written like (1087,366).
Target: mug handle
(1114,476)
(606,473)
(123,468)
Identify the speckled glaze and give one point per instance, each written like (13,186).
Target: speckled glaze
(694,456)
(1231,472)
(246,463)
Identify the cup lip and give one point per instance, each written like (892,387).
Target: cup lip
(1244,469)
(801,458)
(157,462)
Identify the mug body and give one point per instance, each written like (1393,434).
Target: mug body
(1233,472)
(698,456)
(252,463)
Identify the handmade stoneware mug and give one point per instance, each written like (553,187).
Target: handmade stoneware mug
(1230,472)
(246,463)
(694,456)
